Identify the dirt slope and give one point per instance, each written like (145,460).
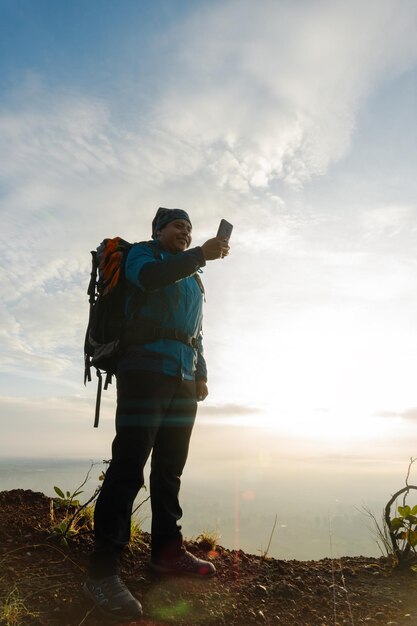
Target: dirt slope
(47,578)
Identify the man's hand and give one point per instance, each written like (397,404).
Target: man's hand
(201,390)
(215,248)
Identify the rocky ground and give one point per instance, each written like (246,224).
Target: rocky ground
(40,582)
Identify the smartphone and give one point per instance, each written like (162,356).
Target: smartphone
(225,230)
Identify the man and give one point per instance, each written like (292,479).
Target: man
(161,375)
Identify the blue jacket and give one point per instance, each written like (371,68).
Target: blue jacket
(172,299)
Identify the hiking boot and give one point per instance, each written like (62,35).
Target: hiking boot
(113,598)
(186,564)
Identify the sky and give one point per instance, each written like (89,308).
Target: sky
(295,121)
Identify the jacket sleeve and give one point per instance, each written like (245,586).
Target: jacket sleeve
(149,273)
(201,368)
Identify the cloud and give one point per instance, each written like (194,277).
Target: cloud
(408,414)
(379,455)
(273,93)
(221,410)
(250,102)
(389,229)
(64,169)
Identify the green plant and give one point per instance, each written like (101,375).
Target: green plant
(64,531)
(74,518)
(77,517)
(405,525)
(66,500)
(13,611)
(403,530)
(398,535)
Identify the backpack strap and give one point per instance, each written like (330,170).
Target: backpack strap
(199,282)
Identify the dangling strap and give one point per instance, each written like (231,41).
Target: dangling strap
(87,369)
(109,377)
(99,387)
(91,291)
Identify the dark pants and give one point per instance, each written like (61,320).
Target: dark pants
(154,413)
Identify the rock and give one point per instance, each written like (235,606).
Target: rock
(380,614)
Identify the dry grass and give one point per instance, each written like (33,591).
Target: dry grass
(13,611)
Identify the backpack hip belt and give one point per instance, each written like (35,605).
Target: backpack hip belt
(138,334)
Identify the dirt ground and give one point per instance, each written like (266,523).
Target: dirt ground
(40,583)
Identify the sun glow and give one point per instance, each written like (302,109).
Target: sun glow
(336,425)
(326,378)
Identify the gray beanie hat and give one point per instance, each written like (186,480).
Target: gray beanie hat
(165,216)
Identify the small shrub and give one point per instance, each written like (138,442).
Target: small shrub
(404,531)
(77,517)
(398,535)
(208,540)
(63,531)
(67,500)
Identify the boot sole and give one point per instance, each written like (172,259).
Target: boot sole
(110,616)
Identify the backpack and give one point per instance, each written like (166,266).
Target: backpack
(107,321)
(106,292)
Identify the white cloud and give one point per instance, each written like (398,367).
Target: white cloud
(271,92)
(253,101)
(220,410)
(384,223)
(64,171)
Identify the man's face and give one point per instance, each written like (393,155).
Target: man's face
(175,236)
